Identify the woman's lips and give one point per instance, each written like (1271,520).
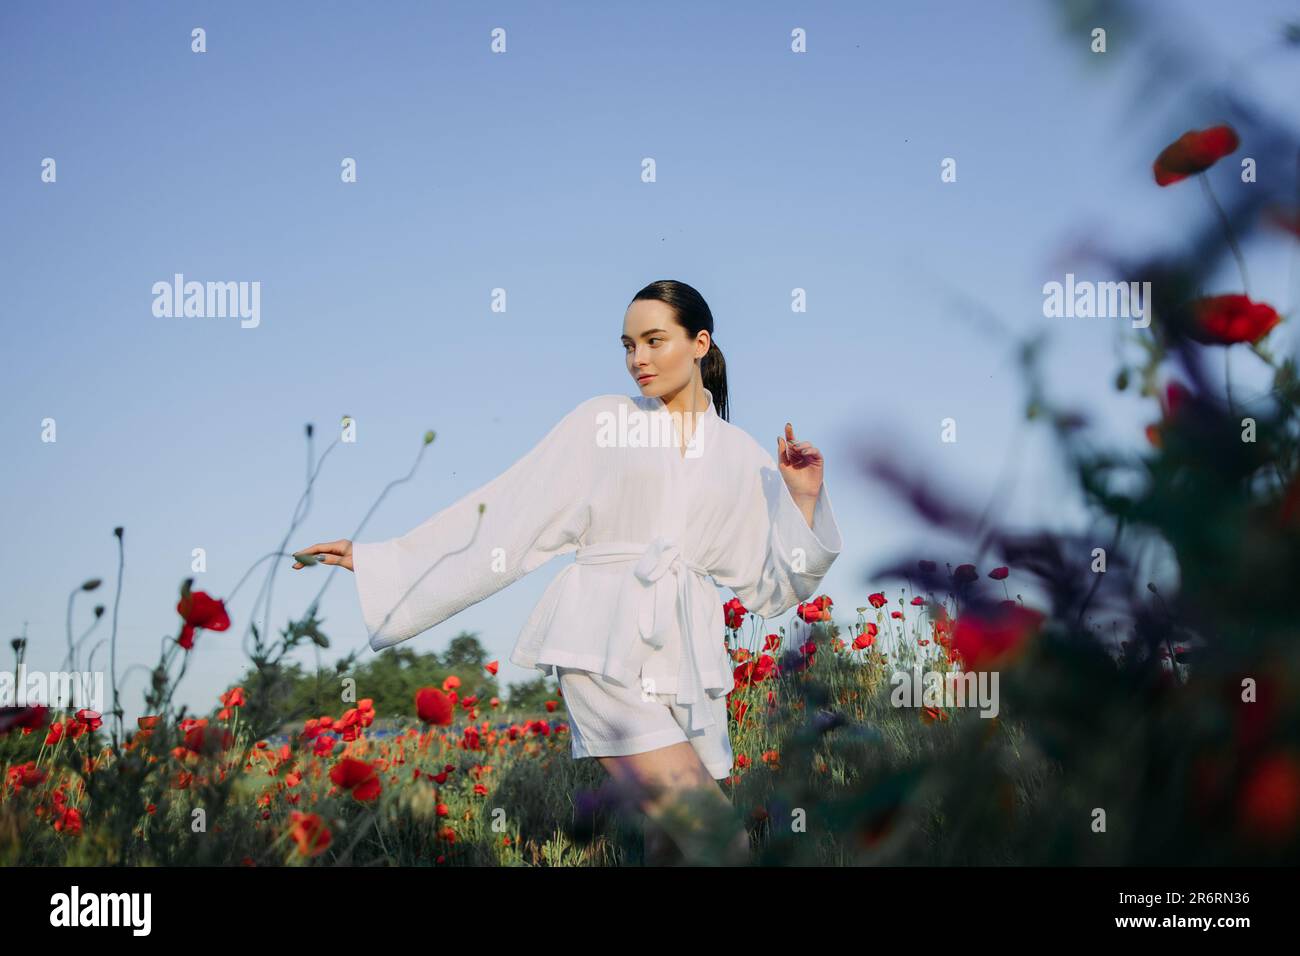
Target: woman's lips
(642,379)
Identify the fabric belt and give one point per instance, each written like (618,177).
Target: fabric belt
(655,616)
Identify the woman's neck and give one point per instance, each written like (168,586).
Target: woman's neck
(689,398)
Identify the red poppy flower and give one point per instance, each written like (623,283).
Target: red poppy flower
(200,609)
(1194,152)
(735,613)
(233,697)
(433,707)
(349,724)
(491,667)
(309,832)
(366,711)
(203,739)
(965,573)
(813,612)
(753,672)
(27,718)
(997,574)
(866,638)
(68,820)
(1229,319)
(26,775)
(876,600)
(990,637)
(356,776)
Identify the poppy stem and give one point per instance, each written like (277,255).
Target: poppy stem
(1227,232)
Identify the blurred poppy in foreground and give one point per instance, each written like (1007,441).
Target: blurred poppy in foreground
(995,635)
(1229,319)
(1194,152)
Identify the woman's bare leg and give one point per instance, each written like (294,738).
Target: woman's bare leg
(682,801)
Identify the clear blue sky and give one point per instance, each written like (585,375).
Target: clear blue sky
(522,171)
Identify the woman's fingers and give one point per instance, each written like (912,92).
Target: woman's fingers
(797,452)
(785,453)
(328,552)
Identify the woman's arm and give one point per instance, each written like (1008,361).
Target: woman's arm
(536,509)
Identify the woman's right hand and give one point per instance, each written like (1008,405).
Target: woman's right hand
(331,552)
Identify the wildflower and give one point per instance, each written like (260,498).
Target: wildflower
(984,638)
(200,609)
(433,707)
(735,613)
(357,776)
(866,638)
(1229,319)
(1194,152)
(309,832)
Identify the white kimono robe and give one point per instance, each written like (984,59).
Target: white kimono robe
(653,531)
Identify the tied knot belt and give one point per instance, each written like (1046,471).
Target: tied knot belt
(656,614)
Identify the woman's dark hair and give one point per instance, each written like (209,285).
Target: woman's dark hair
(692,312)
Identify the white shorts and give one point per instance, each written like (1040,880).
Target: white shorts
(609,720)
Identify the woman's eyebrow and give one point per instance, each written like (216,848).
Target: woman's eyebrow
(643,334)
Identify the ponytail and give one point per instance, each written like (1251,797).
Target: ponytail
(713,373)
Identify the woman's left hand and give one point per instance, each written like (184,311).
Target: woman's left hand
(801,465)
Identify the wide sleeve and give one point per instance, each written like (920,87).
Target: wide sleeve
(491,537)
(777,560)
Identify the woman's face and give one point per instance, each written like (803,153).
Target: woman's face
(658,347)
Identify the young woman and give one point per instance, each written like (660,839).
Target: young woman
(662,498)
